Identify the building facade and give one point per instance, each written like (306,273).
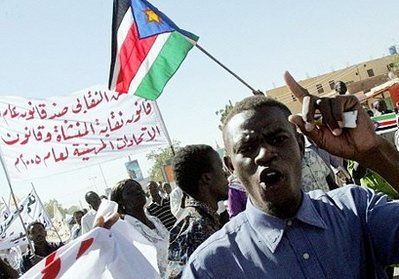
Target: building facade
(358,78)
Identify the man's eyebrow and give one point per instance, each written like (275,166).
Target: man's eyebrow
(275,130)
(243,140)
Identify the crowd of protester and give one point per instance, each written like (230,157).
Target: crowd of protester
(293,206)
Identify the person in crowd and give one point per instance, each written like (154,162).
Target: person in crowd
(350,232)
(315,172)
(237,196)
(368,178)
(94,201)
(42,248)
(177,202)
(130,197)
(6,271)
(167,189)
(336,164)
(77,228)
(340,87)
(370,112)
(160,207)
(198,171)
(380,107)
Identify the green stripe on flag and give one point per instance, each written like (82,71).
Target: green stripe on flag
(384,117)
(165,65)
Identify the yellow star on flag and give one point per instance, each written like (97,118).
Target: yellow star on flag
(152,16)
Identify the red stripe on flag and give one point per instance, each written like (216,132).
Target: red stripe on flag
(132,53)
(84,246)
(52,266)
(387,123)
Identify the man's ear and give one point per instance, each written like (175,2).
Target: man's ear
(227,163)
(204,182)
(205,178)
(301,142)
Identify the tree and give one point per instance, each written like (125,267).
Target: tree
(49,206)
(72,209)
(161,157)
(224,112)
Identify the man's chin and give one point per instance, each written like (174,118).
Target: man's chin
(282,204)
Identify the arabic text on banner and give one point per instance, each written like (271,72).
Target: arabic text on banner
(44,137)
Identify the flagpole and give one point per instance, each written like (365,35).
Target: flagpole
(15,202)
(6,205)
(44,209)
(255,92)
(102,174)
(165,129)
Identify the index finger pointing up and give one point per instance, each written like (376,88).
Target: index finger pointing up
(295,87)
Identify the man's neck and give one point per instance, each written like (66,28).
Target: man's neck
(282,211)
(41,247)
(157,201)
(210,202)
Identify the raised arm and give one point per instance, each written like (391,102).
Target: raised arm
(361,143)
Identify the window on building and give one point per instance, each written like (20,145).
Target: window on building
(332,84)
(319,88)
(370,72)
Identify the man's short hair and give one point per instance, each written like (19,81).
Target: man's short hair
(117,193)
(189,163)
(340,87)
(89,194)
(255,102)
(30,226)
(78,212)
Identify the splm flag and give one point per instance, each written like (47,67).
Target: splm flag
(147,49)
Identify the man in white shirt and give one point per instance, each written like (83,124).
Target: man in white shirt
(88,219)
(77,228)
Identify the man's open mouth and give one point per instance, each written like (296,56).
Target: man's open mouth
(270,178)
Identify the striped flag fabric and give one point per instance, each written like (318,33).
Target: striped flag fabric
(385,123)
(147,49)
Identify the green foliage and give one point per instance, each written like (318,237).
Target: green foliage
(49,206)
(72,209)
(395,65)
(224,112)
(161,157)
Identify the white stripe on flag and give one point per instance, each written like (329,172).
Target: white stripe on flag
(121,36)
(148,61)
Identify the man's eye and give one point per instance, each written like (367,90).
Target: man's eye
(279,139)
(246,149)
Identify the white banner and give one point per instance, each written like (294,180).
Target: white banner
(44,137)
(11,230)
(60,228)
(5,212)
(100,253)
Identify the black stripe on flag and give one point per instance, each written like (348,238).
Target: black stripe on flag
(119,11)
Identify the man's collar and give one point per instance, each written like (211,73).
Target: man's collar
(190,202)
(156,203)
(308,214)
(271,228)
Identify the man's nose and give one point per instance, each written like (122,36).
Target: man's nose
(264,156)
